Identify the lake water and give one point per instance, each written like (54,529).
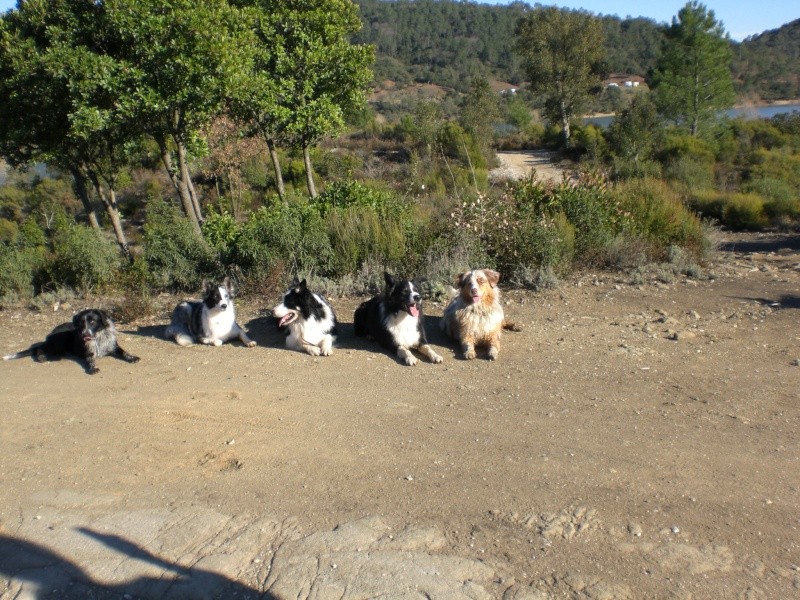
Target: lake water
(751,112)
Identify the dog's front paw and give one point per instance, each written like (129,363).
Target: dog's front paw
(327,351)
(250,343)
(435,358)
(133,359)
(411,360)
(218,342)
(469,353)
(492,355)
(93,370)
(313,350)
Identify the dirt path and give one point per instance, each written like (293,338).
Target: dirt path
(519,164)
(631,442)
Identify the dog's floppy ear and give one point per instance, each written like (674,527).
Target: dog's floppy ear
(492,276)
(302,285)
(76,319)
(461,277)
(105,319)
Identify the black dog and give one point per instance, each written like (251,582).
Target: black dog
(90,335)
(394,319)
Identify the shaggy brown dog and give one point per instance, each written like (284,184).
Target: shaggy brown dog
(475,317)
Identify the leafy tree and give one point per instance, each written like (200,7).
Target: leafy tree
(306,75)
(60,96)
(183,58)
(480,110)
(634,136)
(693,80)
(562,53)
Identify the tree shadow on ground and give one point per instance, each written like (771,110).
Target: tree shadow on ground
(55,577)
(780,303)
(773,243)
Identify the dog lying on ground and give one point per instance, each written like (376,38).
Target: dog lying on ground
(394,319)
(309,319)
(210,321)
(475,317)
(90,335)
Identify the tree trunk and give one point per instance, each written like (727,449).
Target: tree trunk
(180,187)
(186,180)
(312,189)
(276,165)
(565,124)
(79,180)
(110,204)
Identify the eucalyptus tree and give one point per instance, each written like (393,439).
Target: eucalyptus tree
(693,81)
(182,56)
(562,54)
(307,72)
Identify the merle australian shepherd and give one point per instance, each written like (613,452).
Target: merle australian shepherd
(309,320)
(90,335)
(394,318)
(210,321)
(475,316)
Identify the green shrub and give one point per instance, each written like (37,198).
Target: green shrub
(20,271)
(82,258)
(8,232)
(359,234)
(781,200)
(744,211)
(657,214)
(453,251)
(177,258)
(290,237)
(708,203)
(220,231)
(688,161)
(593,213)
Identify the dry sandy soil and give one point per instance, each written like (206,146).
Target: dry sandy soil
(632,441)
(519,164)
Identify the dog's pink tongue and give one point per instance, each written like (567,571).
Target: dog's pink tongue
(413,310)
(284,320)
(476,299)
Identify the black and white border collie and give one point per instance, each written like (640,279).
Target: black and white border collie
(308,318)
(394,318)
(210,321)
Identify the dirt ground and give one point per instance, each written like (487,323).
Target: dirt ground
(519,164)
(634,440)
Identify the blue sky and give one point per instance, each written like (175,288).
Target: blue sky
(741,18)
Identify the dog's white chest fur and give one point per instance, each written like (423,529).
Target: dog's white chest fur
(219,324)
(313,331)
(484,318)
(404,329)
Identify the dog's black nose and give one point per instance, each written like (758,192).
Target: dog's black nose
(415,297)
(223,306)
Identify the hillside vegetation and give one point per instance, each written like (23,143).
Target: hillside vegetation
(448,43)
(229,187)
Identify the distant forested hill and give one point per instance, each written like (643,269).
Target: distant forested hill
(769,64)
(448,42)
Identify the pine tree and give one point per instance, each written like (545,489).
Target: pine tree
(693,79)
